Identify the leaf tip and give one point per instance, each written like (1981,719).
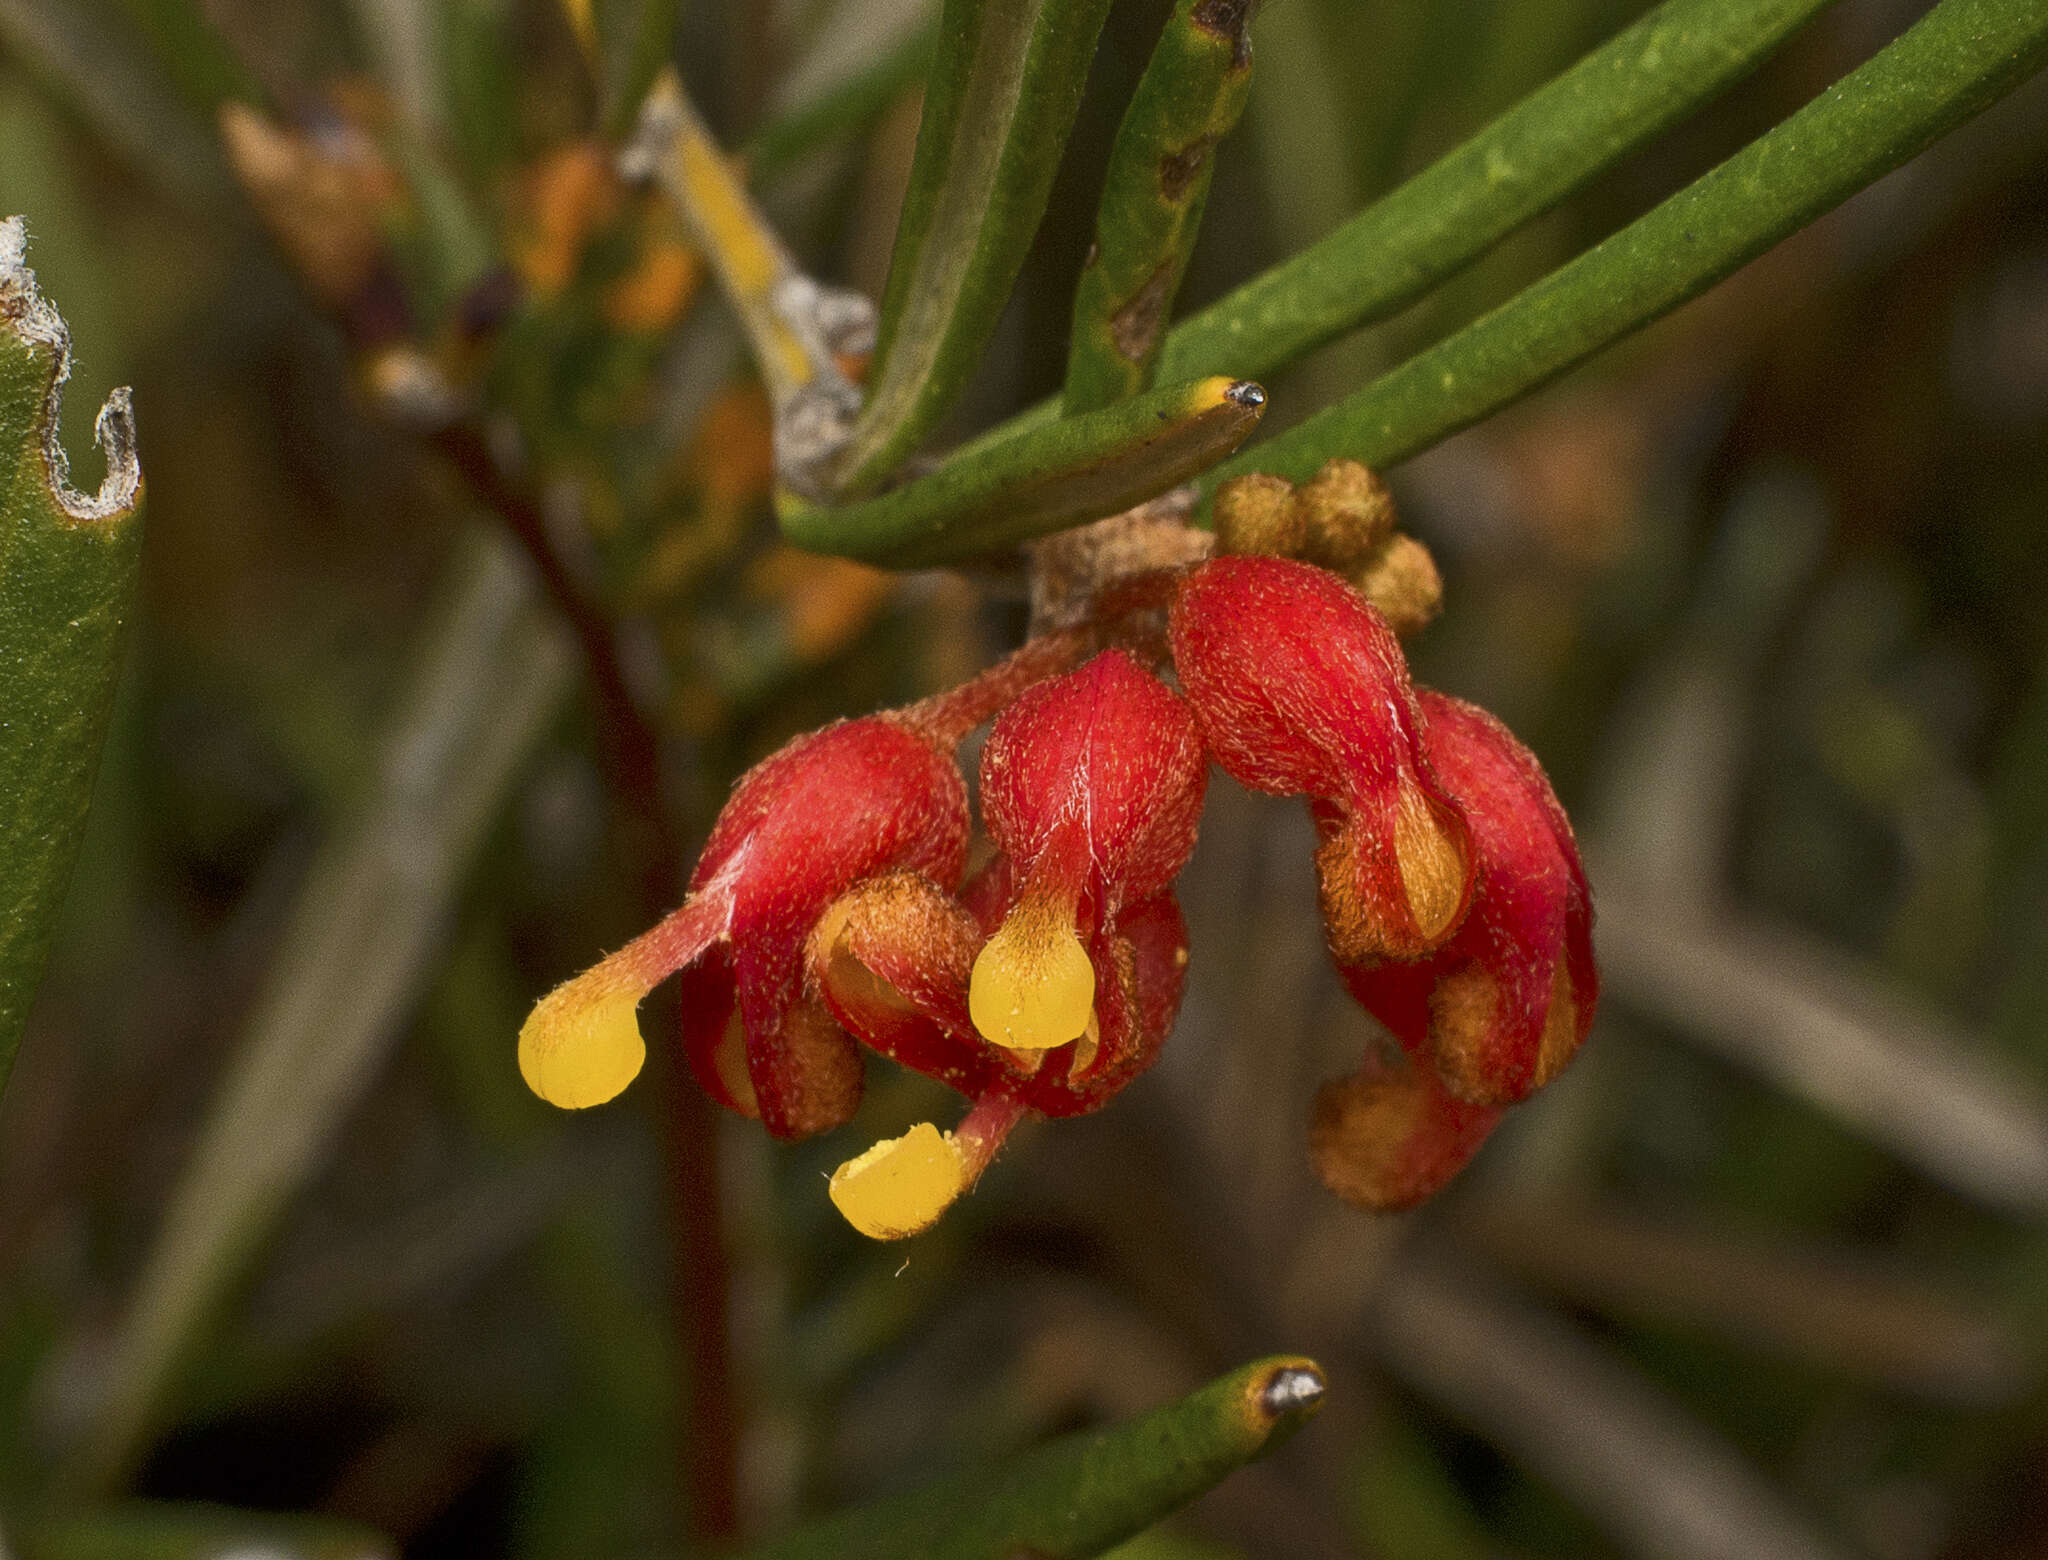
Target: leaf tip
(39,327)
(1285,1394)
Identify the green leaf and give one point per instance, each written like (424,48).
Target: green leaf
(152,1530)
(492,671)
(67,581)
(1554,141)
(847,106)
(207,71)
(634,38)
(1085,1493)
(1004,88)
(1190,96)
(1045,479)
(1956,61)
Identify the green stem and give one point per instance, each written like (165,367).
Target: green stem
(1956,61)
(1190,96)
(1043,480)
(1004,88)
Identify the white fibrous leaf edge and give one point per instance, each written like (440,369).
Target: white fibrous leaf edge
(37,323)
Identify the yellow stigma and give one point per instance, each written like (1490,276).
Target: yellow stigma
(581,1047)
(1033,987)
(900,1186)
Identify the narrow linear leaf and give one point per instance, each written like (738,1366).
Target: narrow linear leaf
(1191,94)
(1005,85)
(842,109)
(1955,62)
(632,40)
(166,1530)
(355,950)
(1556,140)
(1084,1493)
(199,60)
(67,583)
(1045,479)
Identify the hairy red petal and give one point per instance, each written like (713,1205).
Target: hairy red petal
(1108,749)
(1502,1006)
(1300,688)
(833,807)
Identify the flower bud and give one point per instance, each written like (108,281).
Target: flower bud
(1506,1002)
(1390,1136)
(1256,514)
(1299,687)
(1402,583)
(1347,515)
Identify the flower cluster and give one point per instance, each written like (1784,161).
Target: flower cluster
(833,907)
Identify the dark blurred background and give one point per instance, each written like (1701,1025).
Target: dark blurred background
(1764,1275)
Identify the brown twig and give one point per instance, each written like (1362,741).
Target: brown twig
(631,753)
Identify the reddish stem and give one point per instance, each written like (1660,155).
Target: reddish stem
(631,754)
(1117,617)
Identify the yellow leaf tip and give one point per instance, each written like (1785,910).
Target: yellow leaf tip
(1292,1388)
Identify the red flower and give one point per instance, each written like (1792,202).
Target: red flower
(832,808)
(1091,786)
(1060,983)
(1501,1007)
(1300,688)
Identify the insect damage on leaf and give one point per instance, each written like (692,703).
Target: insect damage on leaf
(39,326)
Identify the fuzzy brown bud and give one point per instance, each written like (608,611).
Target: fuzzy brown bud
(1346,513)
(1401,579)
(1256,516)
